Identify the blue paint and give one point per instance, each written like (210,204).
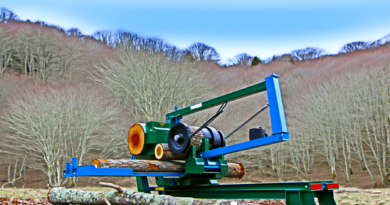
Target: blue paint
(245,145)
(211,167)
(278,120)
(74,162)
(72,170)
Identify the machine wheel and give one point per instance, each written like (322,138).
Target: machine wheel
(179,138)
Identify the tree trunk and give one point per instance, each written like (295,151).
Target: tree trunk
(141,165)
(196,140)
(61,195)
(236,170)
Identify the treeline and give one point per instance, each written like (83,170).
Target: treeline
(197,51)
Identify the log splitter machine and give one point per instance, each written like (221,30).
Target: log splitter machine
(187,161)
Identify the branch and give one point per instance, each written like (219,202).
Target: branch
(118,188)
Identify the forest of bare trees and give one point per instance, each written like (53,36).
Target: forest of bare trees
(64,95)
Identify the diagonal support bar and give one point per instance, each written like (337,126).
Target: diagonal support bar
(245,145)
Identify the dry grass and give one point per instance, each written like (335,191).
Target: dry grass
(24,193)
(382,198)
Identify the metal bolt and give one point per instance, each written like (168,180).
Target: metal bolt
(306,186)
(178,137)
(74,173)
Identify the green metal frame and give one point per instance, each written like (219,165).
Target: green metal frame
(253,89)
(195,172)
(295,193)
(198,182)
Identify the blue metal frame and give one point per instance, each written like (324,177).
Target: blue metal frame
(72,170)
(278,120)
(245,145)
(278,123)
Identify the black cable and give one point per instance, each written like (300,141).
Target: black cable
(220,110)
(261,110)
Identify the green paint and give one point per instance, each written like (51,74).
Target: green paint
(155,132)
(253,89)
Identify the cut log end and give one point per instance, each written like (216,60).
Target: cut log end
(136,139)
(236,170)
(159,151)
(162,152)
(96,163)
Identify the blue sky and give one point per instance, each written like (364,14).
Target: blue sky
(261,28)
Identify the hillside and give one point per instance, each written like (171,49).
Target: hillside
(60,87)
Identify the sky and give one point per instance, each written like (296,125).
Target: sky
(259,28)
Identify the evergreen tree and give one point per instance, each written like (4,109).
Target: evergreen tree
(256,60)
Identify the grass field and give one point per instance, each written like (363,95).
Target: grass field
(370,198)
(363,197)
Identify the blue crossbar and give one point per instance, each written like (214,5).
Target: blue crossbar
(72,170)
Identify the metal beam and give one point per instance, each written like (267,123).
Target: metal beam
(72,170)
(255,191)
(276,110)
(253,89)
(245,145)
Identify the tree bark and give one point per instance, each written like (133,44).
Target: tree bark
(61,195)
(141,165)
(196,140)
(236,170)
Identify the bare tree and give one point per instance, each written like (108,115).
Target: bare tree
(44,52)
(149,86)
(74,32)
(126,40)
(106,37)
(54,124)
(203,52)
(14,179)
(6,50)
(241,59)
(6,15)
(307,53)
(355,46)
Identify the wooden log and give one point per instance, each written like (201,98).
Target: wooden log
(162,152)
(61,195)
(196,140)
(141,165)
(136,139)
(236,170)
